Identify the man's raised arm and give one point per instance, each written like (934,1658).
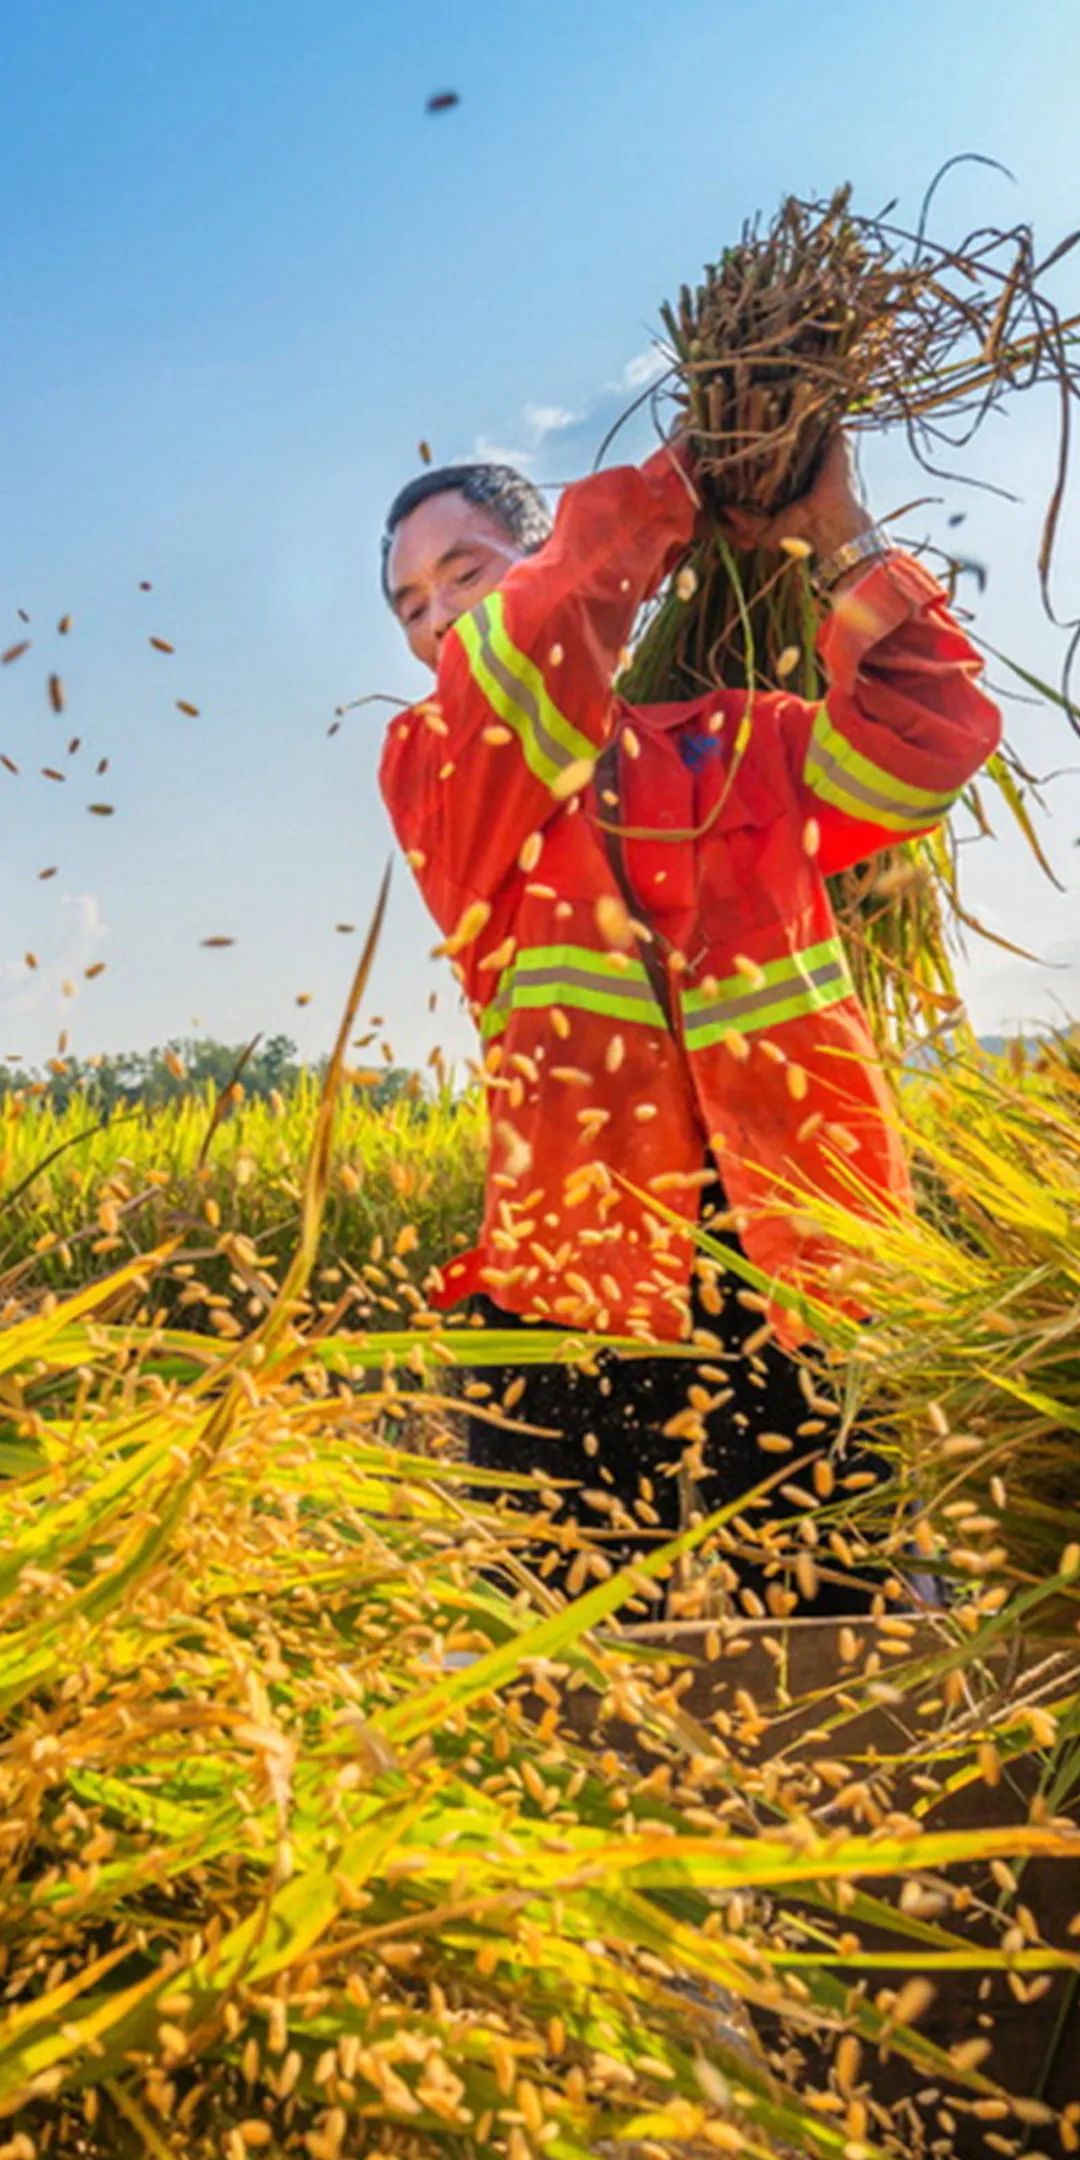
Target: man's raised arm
(523,701)
(904,725)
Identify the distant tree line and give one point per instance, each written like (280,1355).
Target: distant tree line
(164,1073)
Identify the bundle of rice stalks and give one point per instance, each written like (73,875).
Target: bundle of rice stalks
(828,317)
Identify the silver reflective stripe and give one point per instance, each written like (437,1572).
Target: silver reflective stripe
(551,978)
(811,985)
(607,990)
(822,764)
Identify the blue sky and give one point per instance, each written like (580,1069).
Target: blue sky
(242,275)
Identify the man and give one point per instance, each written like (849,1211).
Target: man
(635,902)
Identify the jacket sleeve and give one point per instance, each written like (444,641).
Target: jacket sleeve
(904,725)
(523,700)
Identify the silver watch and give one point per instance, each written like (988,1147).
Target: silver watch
(864,548)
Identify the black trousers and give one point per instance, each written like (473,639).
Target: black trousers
(606,1434)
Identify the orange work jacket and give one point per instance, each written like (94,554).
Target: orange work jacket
(731,830)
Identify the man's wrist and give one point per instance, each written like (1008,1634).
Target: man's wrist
(833,573)
(833,530)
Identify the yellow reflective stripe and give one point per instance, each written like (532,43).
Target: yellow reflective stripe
(845,777)
(801,982)
(540,976)
(733,988)
(516,690)
(544,975)
(597,961)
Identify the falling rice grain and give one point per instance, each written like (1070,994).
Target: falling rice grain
(613,922)
(846,2062)
(573,779)
(913,2001)
(472,920)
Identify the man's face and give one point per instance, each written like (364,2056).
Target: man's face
(447,555)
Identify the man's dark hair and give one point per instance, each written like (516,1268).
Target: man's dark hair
(514,501)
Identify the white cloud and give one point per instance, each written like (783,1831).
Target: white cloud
(642,368)
(26,990)
(542,420)
(86,923)
(491,453)
(537,423)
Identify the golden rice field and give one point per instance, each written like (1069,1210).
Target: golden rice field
(404,1185)
(326,1828)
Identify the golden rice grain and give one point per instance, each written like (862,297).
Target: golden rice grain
(573,779)
(750,970)
(912,2001)
(473,919)
(613,921)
